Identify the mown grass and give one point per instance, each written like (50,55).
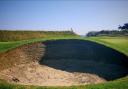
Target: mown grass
(118,43)
(5,46)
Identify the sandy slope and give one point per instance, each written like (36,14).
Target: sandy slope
(36,74)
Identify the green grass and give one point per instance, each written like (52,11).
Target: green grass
(118,43)
(118,84)
(5,46)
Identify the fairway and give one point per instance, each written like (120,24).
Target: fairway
(118,43)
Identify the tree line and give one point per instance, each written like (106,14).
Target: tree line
(122,30)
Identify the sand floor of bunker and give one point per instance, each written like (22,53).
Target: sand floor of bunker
(36,74)
(33,73)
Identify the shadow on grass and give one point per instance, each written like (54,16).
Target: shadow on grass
(85,57)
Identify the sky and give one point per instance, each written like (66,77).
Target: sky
(80,15)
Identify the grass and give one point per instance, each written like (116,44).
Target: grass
(118,84)
(118,43)
(25,35)
(5,46)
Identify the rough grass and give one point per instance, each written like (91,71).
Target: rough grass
(118,43)
(25,35)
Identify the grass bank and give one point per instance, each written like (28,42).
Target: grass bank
(9,45)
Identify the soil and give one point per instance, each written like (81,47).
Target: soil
(63,63)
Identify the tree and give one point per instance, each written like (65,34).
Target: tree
(92,33)
(124,27)
(72,30)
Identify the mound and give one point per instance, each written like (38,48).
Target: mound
(62,63)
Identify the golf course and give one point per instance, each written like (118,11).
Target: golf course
(63,60)
(63,44)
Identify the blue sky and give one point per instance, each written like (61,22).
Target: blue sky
(81,15)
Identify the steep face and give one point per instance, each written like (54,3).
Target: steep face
(21,55)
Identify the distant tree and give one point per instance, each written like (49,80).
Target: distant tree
(104,32)
(72,30)
(123,31)
(124,27)
(92,33)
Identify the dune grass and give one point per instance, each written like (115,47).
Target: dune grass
(25,35)
(13,39)
(118,43)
